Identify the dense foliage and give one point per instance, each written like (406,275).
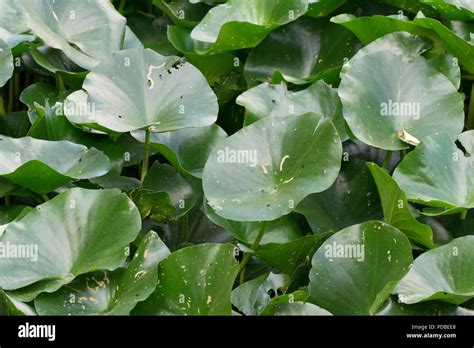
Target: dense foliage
(210,157)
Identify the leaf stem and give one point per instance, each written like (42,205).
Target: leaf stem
(387,159)
(247,256)
(146,154)
(122,5)
(60,83)
(7,200)
(463,214)
(185,228)
(45,197)
(470,114)
(11,86)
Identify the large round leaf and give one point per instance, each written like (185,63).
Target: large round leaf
(137,88)
(85,32)
(76,232)
(275,100)
(444,273)
(109,293)
(240,24)
(402,95)
(393,307)
(461,10)
(305,50)
(355,270)
(263,171)
(195,280)
(43,166)
(396,209)
(437,173)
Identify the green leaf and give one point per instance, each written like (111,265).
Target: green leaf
(253,296)
(196,280)
(352,199)
(13,306)
(43,166)
(76,232)
(6,63)
(183,12)
(393,307)
(109,293)
(444,273)
(402,95)
(355,270)
(11,213)
(460,10)
(263,171)
(396,209)
(187,148)
(321,8)
(275,100)
(437,173)
(303,51)
(85,33)
(241,24)
(137,88)
(299,308)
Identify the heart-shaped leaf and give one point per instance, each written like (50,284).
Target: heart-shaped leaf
(74,233)
(137,88)
(437,173)
(85,33)
(355,270)
(43,166)
(444,273)
(109,293)
(396,209)
(308,50)
(403,95)
(241,24)
(195,280)
(263,171)
(275,100)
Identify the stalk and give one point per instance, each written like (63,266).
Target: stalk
(470,114)
(247,256)
(387,159)
(45,197)
(146,153)
(60,83)
(11,98)
(463,214)
(7,200)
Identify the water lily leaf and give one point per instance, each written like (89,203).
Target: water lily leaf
(187,148)
(308,50)
(6,63)
(299,308)
(457,10)
(287,257)
(43,166)
(11,213)
(393,307)
(263,171)
(86,34)
(396,209)
(109,293)
(448,65)
(155,96)
(15,124)
(253,296)
(195,280)
(355,270)
(241,24)
(404,98)
(11,306)
(444,273)
(321,8)
(275,100)
(439,174)
(352,199)
(275,303)
(72,234)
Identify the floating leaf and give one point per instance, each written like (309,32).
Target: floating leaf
(263,171)
(74,233)
(195,280)
(444,273)
(355,270)
(6,63)
(458,10)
